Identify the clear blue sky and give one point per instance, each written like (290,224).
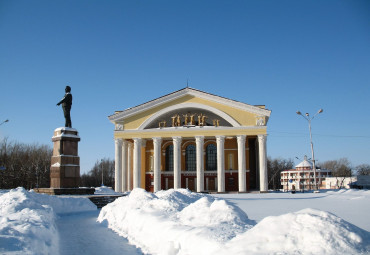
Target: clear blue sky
(287,55)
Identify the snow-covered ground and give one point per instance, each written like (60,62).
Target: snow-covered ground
(182,222)
(28,220)
(80,233)
(351,205)
(104,190)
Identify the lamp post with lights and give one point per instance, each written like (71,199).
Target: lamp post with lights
(3,168)
(4,122)
(309,119)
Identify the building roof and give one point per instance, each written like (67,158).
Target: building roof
(188,91)
(304,164)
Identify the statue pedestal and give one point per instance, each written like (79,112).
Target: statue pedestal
(65,162)
(65,165)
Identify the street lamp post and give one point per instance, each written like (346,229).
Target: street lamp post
(102,173)
(4,122)
(309,119)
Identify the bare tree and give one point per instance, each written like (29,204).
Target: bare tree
(94,177)
(340,169)
(274,168)
(363,169)
(24,165)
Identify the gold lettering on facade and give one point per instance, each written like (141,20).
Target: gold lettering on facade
(188,120)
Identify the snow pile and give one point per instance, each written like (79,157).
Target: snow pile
(27,221)
(350,194)
(182,222)
(175,221)
(307,231)
(103,190)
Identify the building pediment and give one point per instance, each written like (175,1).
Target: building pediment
(189,106)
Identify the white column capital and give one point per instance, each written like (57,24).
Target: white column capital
(262,138)
(118,141)
(157,139)
(177,139)
(143,142)
(137,139)
(220,138)
(241,138)
(199,139)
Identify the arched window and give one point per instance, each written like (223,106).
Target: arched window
(211,157)
(190,158)
(169,158)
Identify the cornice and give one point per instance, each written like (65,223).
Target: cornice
(174,130)
(181,93)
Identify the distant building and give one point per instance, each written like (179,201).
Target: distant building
(302,177)
(361,182)
(340,182)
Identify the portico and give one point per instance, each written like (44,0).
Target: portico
(191,139)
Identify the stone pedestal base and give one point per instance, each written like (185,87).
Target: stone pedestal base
(65,162)
(66,191)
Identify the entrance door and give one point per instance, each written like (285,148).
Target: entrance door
(211,184)
(170,183)
(191,184)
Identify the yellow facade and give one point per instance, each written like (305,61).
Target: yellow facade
(224,122)
(244,118)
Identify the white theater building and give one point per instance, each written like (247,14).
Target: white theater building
(191,139)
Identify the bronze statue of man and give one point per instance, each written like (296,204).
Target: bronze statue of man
(67,105)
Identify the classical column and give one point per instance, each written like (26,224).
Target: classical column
(124,166)
(241,163)
(176,162)
(137,163)
(118,165)
(157,142)
(262,162)
(129,167)
(200,172)
(220,140)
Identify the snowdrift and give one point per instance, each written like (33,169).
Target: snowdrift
(174,222)
(182,222)
(27,221)
(307,231)
(103,190)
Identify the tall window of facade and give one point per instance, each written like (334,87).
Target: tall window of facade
(151,160)
(231,161)
(169,158)
(190,158)
(211,157)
